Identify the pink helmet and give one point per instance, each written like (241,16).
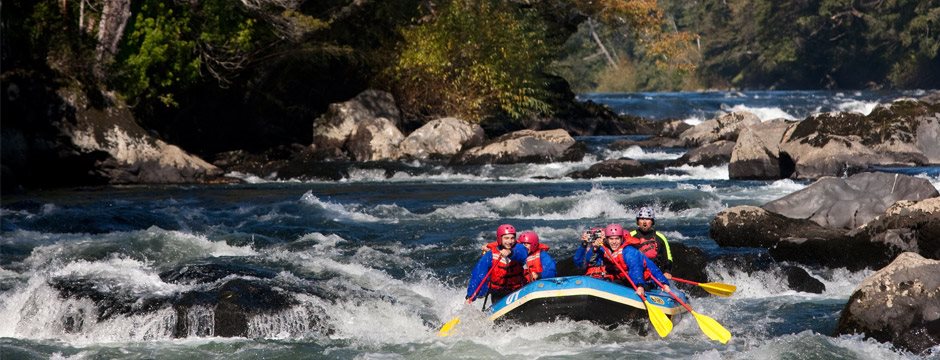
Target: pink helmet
(613,230)
(529,237)
(503,230)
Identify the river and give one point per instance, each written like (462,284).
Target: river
(371,266)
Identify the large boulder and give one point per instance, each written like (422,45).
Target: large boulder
(374,139)
(724,127)
(441,138)
(711,154)
(904,132)
(851,202)
(899,304)
(756,154)
(906,226)
(751,226)
(66,135)
(611,168)
(524,146)
(341,120)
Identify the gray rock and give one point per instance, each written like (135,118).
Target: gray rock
(374,139)
(333,128)
(899,304)
(711,154)
(524,146)
(752,226)
(723,127)
(906,226)
(656,141)
(756,154)
(128,153)
(800,280)
(611,168)
(901,133)
(849,203)
(441,138)
(674,128)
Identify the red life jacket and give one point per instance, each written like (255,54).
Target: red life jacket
(649,247)
(533,263)
(507,275)
(613,269)
(598,272)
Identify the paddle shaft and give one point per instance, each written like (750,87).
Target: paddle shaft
(685,281)
(622,270)
(485,278)
(687,307)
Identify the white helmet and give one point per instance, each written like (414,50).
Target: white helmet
(645,212)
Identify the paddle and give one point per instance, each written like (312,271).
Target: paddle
(660,322)
(714,288)
(709,326)
(448,326)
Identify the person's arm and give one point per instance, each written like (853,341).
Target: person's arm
(519,253)
(662,256)
(548,266)
(654,270)
(580,260)
(478,273)
(634,260)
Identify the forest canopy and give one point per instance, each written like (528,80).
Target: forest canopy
(478,59)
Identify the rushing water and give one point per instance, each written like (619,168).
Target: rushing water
(372,266)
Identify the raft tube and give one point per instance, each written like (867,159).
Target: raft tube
(580,298)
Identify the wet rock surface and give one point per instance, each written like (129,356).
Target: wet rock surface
(853,201)
(899,304)
(524,146)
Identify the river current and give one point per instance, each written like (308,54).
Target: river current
(373,265)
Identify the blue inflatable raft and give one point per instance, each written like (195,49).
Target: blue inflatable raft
(580,298)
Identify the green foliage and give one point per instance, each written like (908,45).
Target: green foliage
(815,44)
(162,53)
(171,46)
(476,58)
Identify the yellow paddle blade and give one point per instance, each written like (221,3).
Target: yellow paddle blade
(660,322)
(720,289)
(712,328)
(448,326)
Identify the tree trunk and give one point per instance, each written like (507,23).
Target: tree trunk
(597,39)
(114,16)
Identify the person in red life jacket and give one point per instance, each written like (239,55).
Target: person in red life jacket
(539,264)
(652,243)
(509,259)
(629,258)
(588,258)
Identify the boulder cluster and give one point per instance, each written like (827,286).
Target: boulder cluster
(868,220)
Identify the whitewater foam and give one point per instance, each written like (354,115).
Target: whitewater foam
(637,153)
(764,113)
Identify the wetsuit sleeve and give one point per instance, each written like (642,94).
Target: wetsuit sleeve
(479,272)
(548,266)
(580,257)
(519,253)
(662,257)
(654,270)
(634,260)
